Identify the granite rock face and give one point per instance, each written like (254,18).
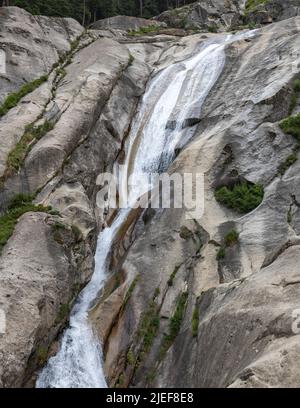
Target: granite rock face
(237,313)
(223,15)
(124,23)
(30,45)
(206,15)
(245,303)
(273,10)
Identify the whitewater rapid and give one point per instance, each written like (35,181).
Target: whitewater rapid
(174,94)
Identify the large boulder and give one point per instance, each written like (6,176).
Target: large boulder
(206,15)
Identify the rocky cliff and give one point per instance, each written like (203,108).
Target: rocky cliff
(222,15)
(216,307)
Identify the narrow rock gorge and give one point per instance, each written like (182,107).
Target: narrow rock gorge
(96,297)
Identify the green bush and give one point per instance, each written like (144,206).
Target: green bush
(221,254)
(231,238)
(291,126)
(297,85)
(18,206)
(131,60)
(12,100)
(288,163)
(295,95)
(252,4)
(212,29)
(130,358)
(243,197)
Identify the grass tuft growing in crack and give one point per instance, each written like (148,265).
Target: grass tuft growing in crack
(129,293)
(174,325)
(144,30)
(32,134)
(230,239)
(148,327)
(287,163)
(13,99)
(291,126)
(252,4)
(18,206)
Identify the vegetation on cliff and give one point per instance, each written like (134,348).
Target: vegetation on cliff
(87,11)
(242,197)
(13,99)
(18,206)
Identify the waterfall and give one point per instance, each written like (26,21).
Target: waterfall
(174,95)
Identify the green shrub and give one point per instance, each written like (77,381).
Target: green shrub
(252,4)
(221,254)
(130,358)
(288,163)
(13,99)
(243,197)
(297,86)
(20,200)
(195,321)
(291,126)
(231,238)
(18,206)
(131,59)
(212,29)
(57,226)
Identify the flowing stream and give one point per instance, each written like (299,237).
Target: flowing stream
(173,96)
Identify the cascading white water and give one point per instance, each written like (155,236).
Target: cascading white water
(175,94)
